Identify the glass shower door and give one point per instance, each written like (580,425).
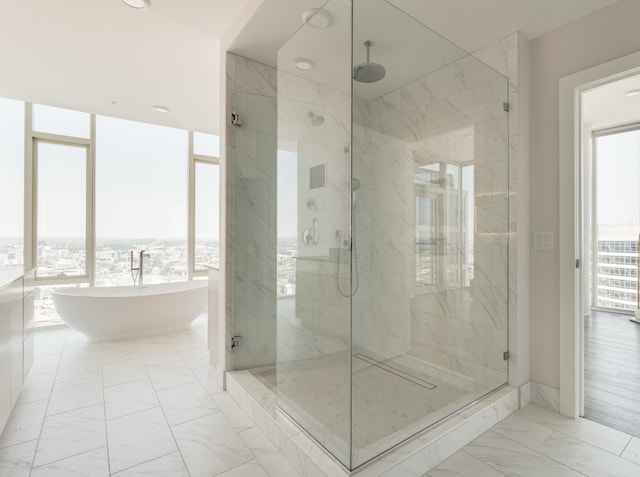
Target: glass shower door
(314,322)
(430,215)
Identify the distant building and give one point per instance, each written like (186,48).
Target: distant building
(617,267)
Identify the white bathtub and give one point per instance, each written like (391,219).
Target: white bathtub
(109,313)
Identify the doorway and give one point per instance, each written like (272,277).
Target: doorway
(610,173)
(575,245)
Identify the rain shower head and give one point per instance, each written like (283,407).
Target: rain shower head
(368,72)
(355,184)
(316,119)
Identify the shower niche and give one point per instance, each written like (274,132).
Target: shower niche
(393,315)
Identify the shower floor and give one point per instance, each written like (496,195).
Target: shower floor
(391,399)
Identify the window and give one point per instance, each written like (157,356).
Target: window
(141,192)
(61,211)
(156,189)
(11,183)
(204,203)
(207,207)
(61,122)
(616,217)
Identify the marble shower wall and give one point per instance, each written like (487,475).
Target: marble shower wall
(251,213)
(453,116)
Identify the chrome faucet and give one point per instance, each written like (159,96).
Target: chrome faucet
(141,264)
(139,268)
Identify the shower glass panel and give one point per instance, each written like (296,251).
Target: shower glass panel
(314,323)
(399,315)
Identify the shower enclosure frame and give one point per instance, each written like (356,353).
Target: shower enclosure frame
(491,237)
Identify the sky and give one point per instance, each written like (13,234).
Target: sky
(618,178)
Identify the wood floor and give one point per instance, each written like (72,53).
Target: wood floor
(612,371)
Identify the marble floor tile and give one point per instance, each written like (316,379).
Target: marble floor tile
(267,455)
(119,351)
(587,431)
(138,438)
(78,368)
(186,340)
(585,458)
(210,445)
(15,461)
(72,395)
(170,374)
(462,464)
(24,424)
(251,468)
(157,353)
(208,377)
(125,371)
(185,402)
(89,464)
(513,459)
(528,433)
(71,433)
(45,364)
(170,465)
(632,451)
(195,357)
(235,415)
(129,398)
(37,387)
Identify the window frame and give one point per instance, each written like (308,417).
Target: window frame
(32,138)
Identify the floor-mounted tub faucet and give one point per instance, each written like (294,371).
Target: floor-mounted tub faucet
(139,268)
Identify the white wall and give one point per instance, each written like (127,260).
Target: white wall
(602,36)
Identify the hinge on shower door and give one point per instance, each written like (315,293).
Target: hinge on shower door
(506,107)
(235,342)
(505,356)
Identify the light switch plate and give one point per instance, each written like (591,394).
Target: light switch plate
(543,241)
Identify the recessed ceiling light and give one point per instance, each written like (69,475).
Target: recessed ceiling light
(161,109)
(317,18)
(633,92)
(303,64)
(137,3)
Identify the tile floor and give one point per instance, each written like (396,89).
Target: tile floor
(150,406)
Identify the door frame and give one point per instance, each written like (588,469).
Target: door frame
(571,310)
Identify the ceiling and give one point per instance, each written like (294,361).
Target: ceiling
(103,57)
(607,105)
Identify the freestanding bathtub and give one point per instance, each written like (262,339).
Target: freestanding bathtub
(112,313)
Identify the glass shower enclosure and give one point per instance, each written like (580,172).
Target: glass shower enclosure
(392,228)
